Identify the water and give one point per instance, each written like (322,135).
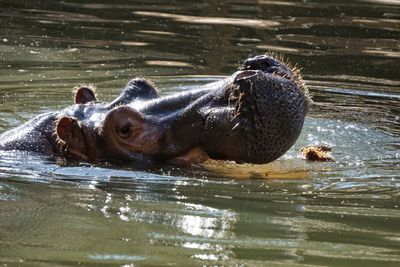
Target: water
(288,213)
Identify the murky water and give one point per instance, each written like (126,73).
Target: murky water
(288,213)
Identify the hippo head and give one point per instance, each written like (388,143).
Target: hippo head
(253,116)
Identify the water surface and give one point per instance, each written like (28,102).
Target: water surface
(288,213)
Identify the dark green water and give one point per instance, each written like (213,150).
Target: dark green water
(288,213)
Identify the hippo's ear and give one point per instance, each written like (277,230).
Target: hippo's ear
(69,131)
(84,94)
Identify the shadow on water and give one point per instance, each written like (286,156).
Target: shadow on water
(287,213)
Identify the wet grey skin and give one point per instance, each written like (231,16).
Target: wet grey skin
(253,116)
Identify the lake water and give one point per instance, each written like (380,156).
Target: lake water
(288,213)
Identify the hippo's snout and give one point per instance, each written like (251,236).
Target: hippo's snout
(263,116)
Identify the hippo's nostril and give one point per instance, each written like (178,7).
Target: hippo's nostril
(262,62)
(246,74)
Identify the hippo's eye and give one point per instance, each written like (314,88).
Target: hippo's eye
(126,130)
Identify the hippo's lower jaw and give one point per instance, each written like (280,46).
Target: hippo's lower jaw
(253,116)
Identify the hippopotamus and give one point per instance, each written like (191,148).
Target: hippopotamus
(253,116)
